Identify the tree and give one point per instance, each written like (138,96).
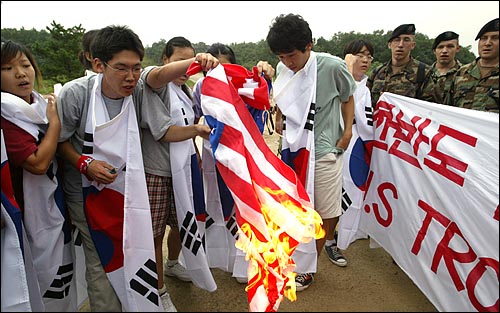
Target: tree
(24,36)
(58,55)
(57,50)
(152,55)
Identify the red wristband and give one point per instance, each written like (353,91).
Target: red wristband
(83,163)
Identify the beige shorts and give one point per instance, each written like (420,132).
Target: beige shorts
(328,185)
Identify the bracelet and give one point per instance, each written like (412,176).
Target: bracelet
(83,163)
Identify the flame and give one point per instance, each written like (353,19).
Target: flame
(289,223)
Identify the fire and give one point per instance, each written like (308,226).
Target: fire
(288,223)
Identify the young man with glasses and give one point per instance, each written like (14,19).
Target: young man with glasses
(402,75)
(358,55)
(104,180)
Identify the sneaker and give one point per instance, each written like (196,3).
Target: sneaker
(162,290)
(335,255)
(303,281)
(177,270)
(166,301)
(242,280)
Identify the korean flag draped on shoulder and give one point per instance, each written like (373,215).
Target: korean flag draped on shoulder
(45,217)
(20,289)
(295,95)
(189,197)
(118,214)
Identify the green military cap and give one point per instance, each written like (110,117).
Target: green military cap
(449,35)
(405,29)
(491,26)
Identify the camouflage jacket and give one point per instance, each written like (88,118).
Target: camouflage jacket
(436,85)
(469,90)
(403,83)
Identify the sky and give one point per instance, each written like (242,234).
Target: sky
(249,21)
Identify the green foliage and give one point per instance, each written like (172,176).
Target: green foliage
(248,54)
(152,55)
(58,56)
(422,52)
(56,50)
(25,36)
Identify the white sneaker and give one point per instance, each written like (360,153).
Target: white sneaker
(177,270)
(242,280)
(168,306)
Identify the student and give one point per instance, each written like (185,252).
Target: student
(100,143)
(317,86)
(84,55)
(358,55)
(161,153)
(31,127)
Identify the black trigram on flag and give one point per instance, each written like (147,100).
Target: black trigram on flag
(232,226)
(209,221)
(78,237)
(346,201)
(145,282)
(189,234)
(59,288)
(369,115)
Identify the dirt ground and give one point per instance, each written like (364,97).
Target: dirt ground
(370,282)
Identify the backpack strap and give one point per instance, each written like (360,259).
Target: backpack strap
(421,78)
(375,73)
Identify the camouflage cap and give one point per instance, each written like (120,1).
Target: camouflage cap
(405,29)
(491,26)
(449,35)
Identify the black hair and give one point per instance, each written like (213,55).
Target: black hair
(86,41)
(168,51)
(11,50)
(175,42)
(113,39)
(288,33)
(219,49)
(356,45)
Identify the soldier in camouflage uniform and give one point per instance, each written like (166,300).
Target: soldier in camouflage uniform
(475,85)
(438,81)
(402,75)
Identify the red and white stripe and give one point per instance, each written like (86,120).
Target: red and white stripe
(253,174)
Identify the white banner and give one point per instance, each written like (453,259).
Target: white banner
(432,199)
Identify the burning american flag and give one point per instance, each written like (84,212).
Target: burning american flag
(273,210)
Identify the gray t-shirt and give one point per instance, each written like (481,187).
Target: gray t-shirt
(334,85)
(155,154)
(73,105)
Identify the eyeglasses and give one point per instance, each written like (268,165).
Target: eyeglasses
(123,70)
(364,56)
